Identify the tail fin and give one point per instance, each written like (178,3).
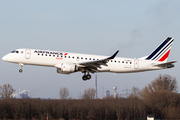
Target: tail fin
(161,53)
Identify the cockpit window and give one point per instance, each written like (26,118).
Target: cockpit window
(13,51)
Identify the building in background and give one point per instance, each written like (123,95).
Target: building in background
(22,94)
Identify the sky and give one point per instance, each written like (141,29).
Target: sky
(135,28)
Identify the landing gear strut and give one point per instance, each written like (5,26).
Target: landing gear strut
(21,65)
(86,77)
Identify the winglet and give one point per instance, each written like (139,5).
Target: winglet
(113,56)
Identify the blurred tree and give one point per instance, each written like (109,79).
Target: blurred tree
(162,82)
(134,93)
(6,91)
(64,93)
(109,97)
(160,100)
(89,93)
(92,114)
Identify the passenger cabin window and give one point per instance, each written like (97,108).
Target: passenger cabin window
(17,51)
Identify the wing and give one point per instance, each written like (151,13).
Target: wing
(91,66)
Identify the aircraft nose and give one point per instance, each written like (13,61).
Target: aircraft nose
(5,58)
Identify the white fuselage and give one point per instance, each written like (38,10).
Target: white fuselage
(52,58)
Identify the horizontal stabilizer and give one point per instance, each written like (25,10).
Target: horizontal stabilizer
(167,64)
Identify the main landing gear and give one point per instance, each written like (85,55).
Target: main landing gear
(86,76)
(21,66)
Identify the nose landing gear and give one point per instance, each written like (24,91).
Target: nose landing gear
(21,65)
(20,70)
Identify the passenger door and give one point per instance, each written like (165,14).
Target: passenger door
(27,53)
(136,63)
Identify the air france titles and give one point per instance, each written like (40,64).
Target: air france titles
(48,52)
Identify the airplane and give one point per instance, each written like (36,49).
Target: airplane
(67,63)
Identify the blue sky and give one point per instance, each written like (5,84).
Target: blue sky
(135,28)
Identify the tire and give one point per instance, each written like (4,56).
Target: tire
(88,76)
(20,70)
(84,77)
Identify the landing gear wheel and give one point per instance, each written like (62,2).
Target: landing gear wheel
(88,76)
(20,70)
(84,77)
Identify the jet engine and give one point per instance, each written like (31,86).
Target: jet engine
(66,68)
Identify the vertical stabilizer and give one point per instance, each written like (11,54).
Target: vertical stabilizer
(161,53)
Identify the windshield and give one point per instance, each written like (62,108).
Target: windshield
(13,51)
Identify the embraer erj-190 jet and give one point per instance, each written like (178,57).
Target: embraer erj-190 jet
(67,63)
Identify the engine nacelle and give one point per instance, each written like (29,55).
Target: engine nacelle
(66,68)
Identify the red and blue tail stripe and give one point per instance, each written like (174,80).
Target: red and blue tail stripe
(162,51)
